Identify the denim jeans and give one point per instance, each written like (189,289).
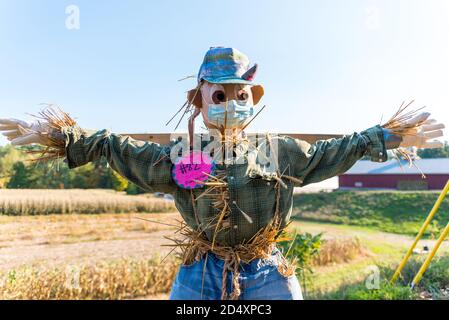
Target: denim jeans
(259,280)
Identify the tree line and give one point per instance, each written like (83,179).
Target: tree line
(19,171)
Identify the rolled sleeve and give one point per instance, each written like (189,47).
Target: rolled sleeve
(83,146)
(376,148)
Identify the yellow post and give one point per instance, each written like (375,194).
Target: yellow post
(429,218)
(426,263)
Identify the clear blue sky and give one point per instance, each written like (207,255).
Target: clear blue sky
(327,66)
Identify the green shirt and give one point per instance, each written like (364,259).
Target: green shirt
(251,191)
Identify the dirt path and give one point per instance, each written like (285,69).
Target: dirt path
(145,246)
(81,240)
(338,231)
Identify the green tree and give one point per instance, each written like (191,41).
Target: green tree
(435,153)
(83,177)
(108,178)
(21,177)
(118,182)
(8,157)
(133,189)
(16,171)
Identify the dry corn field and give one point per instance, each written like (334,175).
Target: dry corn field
(79,256)
(334,251)
(98,244)
(122,279)
(102,256)
(84,244)
(38,202)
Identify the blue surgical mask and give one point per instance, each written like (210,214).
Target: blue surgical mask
(236,115)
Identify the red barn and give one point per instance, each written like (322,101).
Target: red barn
(395,175)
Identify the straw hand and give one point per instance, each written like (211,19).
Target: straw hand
(20,132)
(421,132)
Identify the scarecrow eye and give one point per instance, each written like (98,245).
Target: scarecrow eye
(242,95)
(219,96)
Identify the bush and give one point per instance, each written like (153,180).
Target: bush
(339,251)
(302,249)
(435,278)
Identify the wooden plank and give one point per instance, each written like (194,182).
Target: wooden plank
(164,138)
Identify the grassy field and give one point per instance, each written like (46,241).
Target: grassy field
(398,212)
(109,256)
(123,259)
(381,252)
(434,285)
(73,255)
(39,202)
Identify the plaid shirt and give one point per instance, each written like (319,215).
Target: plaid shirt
(250,191)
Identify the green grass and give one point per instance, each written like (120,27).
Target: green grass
(390,211)
(386,250)
(347,280)
(359,291)
(433,285)
(325,281)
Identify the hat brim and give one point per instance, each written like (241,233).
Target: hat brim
(227,80)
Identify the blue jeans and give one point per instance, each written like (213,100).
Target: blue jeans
(259,280)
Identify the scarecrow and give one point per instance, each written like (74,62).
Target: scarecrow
(235,200)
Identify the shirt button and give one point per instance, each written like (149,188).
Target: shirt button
(231,177)
(268,183)
(235,226)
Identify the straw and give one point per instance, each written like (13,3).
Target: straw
(193,245)
(399,124)
(57,120)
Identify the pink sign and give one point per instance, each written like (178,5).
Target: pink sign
(190,171)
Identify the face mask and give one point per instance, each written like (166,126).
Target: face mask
(236,115)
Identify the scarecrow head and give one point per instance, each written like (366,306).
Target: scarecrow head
(225,95)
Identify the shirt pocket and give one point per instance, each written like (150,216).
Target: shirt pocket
(258,172)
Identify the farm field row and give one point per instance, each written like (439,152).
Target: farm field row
(121,248)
